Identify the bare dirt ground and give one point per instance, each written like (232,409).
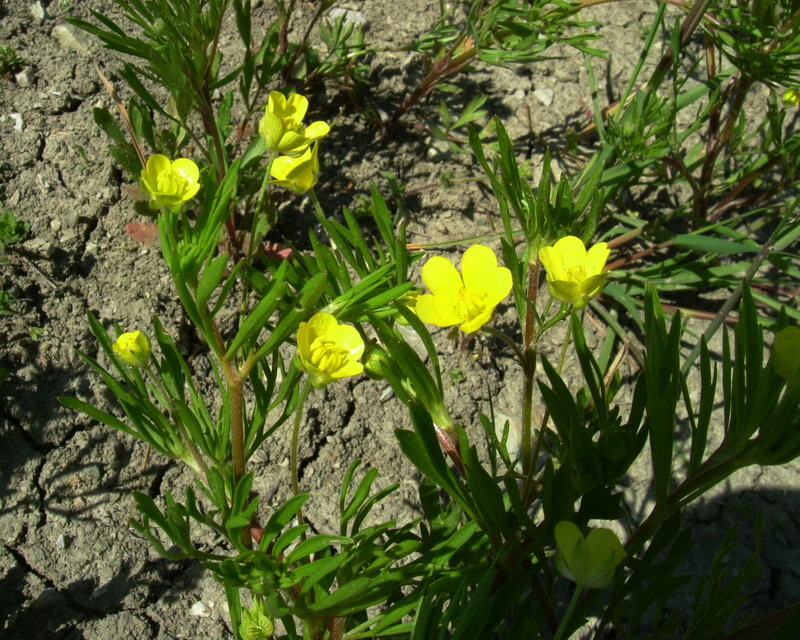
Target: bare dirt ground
(69,565)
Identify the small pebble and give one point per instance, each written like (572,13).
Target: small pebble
(200,609)
(68,236)
(545,96)
(66,38)
(17,118)
(61,542)
(55,225)
(38,12)
(23,78)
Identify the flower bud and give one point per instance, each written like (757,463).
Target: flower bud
(256,624)
(786,354)
(133,348)
(376,362)
(791,98)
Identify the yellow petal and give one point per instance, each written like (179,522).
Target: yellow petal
(305,336)
(293,144)
(348,338)
(323,322)
(158,163)
(594,285)
(296,108)
(352,368)
(475,323)
(271,129)
(316,130)
(441,277)
(478,268)
(596,258)
(438,311)
(565,290)
(187,168)
(276,103)
(571,251)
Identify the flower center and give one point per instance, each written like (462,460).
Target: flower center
(471,303)
(172,182)
(576,273)
(326,355)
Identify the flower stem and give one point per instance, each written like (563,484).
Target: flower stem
(317,206)
(298,416)
(562,628)
(529,365)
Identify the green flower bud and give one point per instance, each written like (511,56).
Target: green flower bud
(256,624)
(376,362)
(786,354)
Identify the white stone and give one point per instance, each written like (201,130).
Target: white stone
(545,96)
(38,12)
(66,38)
(23,79)
(200,609)
(17,118)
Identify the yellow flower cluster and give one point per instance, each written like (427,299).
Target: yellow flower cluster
(283,132)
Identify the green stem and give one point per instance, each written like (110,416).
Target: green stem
(529,364)
(298,416)
(562,628)
(317,206)
(496,333)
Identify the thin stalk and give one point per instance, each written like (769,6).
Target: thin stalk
(562,628)
(529,365)
(298,416)
(317,206)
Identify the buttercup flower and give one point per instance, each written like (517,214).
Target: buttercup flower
(467,299)
(170,183)
(327,350)
(574,275)
(298,174)
(282,125)
(786,354)
(133,347)
(791,98)
(590,561)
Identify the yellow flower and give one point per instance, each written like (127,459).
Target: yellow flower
(170,184)
(467,299)
(298,174)
(791,98)
(133,347)
(574,275)
(282,125)
(327,350)
(590,561)
(786,354)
